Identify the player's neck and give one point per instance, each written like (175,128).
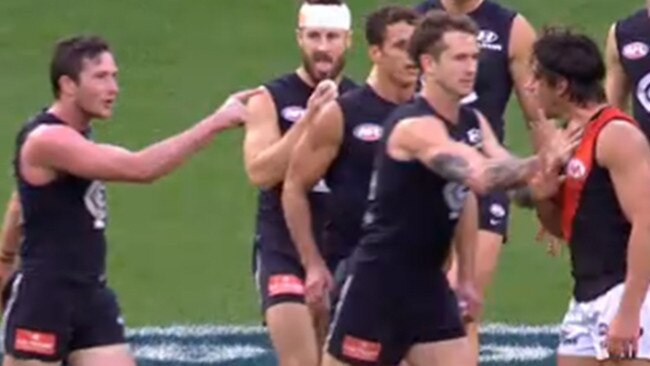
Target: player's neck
(387,89)
(446,104)
(460,6)
(584,115)
(70,115)
(304,76)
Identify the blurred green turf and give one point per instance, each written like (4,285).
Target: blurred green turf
(180,249)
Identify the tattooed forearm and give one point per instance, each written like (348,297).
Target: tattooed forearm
(510,172)
(493,174)
(449,166)
(522,197)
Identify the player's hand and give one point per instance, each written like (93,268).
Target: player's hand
(6,270)
(558,144)
(553,243)
(470,301)
(325,92)
(542,129)
(318,284)
(544,184)
(233,111)
(623,335)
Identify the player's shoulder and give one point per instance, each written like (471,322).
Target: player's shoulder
(45,133)
(284,80)
(621,127)
(347,85)
(427,5)
(41,121)
(638,16)
(500,10)
(354,97)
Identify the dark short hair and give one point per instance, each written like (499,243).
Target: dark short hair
(69,54)
(379,20)
(428,35)
(562,54)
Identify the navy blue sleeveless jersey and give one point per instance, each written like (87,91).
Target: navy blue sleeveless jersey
(63,221)
(412,211)
(349,175)
(494,81)
(290,95)
(633,41)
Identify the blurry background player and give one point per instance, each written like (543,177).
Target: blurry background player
(279,116)
(506,40)
(60,308)
(628,65)
(602,208)
(10,237)
(397,303)
(341,145)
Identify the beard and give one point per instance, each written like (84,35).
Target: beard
(309,64)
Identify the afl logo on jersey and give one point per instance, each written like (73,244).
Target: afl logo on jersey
(293,113)
(576,169)
(635,50)
(368,132)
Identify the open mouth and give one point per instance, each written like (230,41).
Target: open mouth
(108,103)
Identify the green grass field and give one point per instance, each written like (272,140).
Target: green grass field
(180,250)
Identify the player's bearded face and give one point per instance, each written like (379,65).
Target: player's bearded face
(323,52)
(97,87)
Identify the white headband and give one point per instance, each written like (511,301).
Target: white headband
(325,16)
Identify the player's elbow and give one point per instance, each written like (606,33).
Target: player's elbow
(142,175)
(261,179)
(138,170)
(263,176)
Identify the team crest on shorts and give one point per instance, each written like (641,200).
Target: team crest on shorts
(497,210)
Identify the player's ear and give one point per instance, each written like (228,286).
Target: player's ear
(299,37)
(348,39)
(67,86)
(562,87)
(374,53)
(426,63)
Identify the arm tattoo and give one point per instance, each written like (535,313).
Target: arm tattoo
(449,166)
(510,172)
(522,197)
(498,174)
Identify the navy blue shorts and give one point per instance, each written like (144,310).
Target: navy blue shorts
(494,213)
(48,318)
(280,277)
(386,309)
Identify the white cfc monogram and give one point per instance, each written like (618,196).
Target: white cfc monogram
(95,200)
